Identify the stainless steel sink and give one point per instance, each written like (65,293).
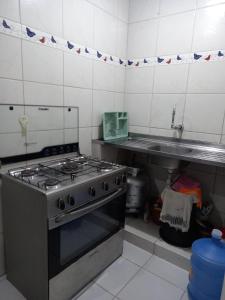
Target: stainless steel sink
(169,152)
(177,150)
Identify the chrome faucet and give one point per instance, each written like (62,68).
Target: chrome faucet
(179,127)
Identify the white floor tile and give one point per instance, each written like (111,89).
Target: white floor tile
(168,271)
(95,292)
(135,254)
(9,292)
(145,286)
(117,275)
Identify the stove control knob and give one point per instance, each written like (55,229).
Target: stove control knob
(105,186)
(61,204)
(92,191)
(117,180)
(124,178)
(71,200)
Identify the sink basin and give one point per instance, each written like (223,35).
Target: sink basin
(170,149)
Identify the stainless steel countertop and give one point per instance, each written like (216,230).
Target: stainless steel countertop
(188,150)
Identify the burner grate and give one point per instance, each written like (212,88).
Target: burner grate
(61,172)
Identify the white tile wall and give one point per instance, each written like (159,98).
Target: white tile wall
(204,113)
(176,6)
(207,78)
(42,64)
(104,78)
(71,135)
(161,118)
(142,38)
(209,29)
(122,9)
(171,79)
(10,9)
(10,59)
(34,74)
(140,116)
(102,101)
(171,28)
(12,144)
(9,119)
(42,94)
(11,91)
(45,15)
(139,80)
(143,10)
(202,3)
(78,19)
(105,31)
(121,39)
(175,33)
(81,98)
(85,136)
(77,71)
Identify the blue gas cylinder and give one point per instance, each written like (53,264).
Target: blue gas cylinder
(207,268)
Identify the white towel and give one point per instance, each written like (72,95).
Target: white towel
(176,209)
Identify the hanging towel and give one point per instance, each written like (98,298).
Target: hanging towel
(189,186)
(176,209)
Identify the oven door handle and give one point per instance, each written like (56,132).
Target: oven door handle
(75,214)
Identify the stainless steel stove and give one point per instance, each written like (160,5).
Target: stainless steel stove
(63,222)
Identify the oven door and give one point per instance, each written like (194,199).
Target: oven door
(83,229)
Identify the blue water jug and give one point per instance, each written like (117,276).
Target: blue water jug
(207,268)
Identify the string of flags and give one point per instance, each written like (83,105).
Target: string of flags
(22,31)
(178,59)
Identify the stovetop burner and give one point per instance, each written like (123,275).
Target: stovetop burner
(70,167)
(104,166)
(28,172)
(50,182)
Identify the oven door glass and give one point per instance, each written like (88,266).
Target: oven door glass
(70,241)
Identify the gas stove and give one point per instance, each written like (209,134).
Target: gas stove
(61,173)
(63,220)
(70,182)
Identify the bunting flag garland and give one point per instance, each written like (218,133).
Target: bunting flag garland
(160,60)
(30,33)
(42,40)
(53,40)
(197,56)
(99,55)
(69,45)
(22,31)
(5,25)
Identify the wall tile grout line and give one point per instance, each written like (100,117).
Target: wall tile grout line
(176,13)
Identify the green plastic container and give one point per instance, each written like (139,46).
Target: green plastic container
(115,125)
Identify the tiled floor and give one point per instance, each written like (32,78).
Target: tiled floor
(136,275)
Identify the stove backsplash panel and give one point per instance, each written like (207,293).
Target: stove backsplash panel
(26,129)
